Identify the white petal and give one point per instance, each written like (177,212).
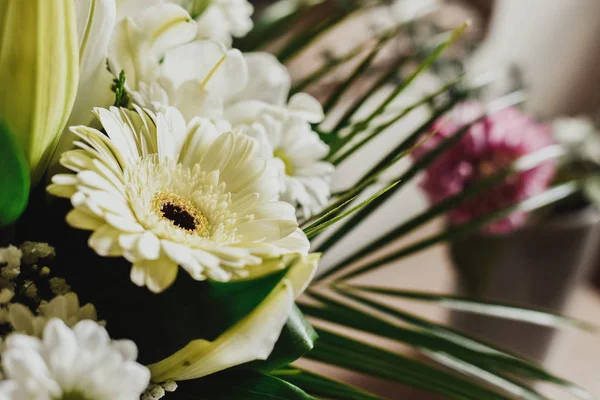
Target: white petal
(302,272)
(296,242)
(148,246)
(306,107)
(268,80)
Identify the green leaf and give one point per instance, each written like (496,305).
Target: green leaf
(297,338)
(239,385)
(355,355)
(476,306)
(14,175)
(321,386)
(543,199)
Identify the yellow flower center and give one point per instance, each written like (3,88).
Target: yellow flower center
(287,162)
(181,213)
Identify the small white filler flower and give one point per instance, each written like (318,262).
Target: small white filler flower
(71,364)
(163,194)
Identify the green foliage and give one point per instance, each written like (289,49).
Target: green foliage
(122,98)
(239,385)
(297,338)
(321,386)
(14,175)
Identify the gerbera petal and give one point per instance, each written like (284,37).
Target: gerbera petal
(82,220)
(158,275)
(105,241)
(296,242)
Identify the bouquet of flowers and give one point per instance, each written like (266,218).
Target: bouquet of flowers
(201,174)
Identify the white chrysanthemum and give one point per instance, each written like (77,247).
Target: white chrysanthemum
(162,194)
(164,66)
(268,89)
(219,20)
(66,308)
(69,364)
(299,151)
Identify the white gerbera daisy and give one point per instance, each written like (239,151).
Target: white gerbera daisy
(164,66)
(162,194)
(299,151)
(82,363)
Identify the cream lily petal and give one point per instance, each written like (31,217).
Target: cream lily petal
(95,23)
(252,338)
(39,71)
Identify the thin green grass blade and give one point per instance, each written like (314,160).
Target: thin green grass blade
(330,213)
(322,386)
(550,196)
(522,164)
(496,309)
(404,178)
(363,124)
(348,195)
(335,349)
(356,74)
(312,232)
(303,40)
(377,130)
(333,64)
(389,75)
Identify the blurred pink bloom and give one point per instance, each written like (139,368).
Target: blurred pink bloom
(486,148)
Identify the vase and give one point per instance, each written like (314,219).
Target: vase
(537,266)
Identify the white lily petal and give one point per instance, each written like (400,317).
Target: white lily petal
(252,338)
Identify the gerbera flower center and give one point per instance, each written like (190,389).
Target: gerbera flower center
(287,161)
(181,213)
(73,395)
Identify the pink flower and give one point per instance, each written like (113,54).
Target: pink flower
(488,147)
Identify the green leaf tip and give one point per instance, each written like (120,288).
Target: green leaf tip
(14,175)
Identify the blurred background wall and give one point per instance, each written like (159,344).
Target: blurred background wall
(555,43)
